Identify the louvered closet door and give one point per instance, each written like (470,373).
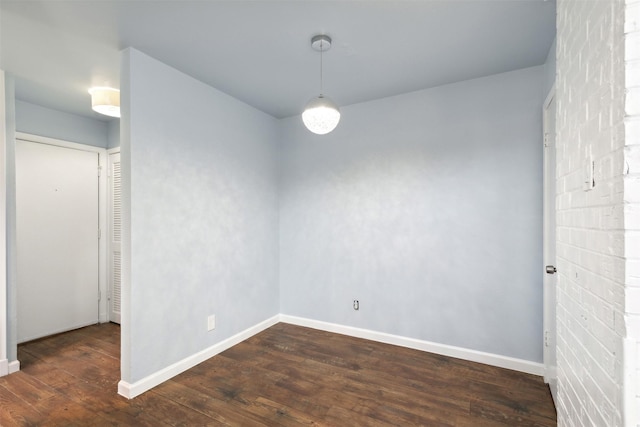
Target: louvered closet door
(115,234)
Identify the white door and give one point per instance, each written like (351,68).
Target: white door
(57,239)
(549,244)
(115,233)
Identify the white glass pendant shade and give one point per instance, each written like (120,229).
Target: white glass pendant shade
(321,115)
(105,100)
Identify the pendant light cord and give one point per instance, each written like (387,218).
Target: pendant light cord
(321,50)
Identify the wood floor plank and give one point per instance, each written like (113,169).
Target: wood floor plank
(158,406)
(505,413)
(284,376)
(529,400)
(220,411)
(30,388)
(15,410)
(375,384)
(58,410)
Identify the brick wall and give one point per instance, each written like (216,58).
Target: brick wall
(591,237)
(631,179)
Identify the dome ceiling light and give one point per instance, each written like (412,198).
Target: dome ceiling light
(105,100)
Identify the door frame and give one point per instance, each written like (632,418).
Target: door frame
(102,209)
(4,330)
(550,371)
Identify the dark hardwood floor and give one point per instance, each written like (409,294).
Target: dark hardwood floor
(284,376)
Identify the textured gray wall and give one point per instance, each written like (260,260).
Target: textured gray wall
(203,211)
(427,207)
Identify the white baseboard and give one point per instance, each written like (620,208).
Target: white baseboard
(550,374)
(132,390)
(431,347)
(7,367)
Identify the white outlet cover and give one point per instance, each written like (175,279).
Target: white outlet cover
(211,322)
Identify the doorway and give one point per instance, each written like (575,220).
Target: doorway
(549,243)
(60,247)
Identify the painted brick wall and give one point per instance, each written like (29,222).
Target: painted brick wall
(631,179)
(590,224)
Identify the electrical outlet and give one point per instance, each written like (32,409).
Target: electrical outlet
(211,322)
(356,304)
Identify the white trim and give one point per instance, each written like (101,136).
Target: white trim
(431,347)
(549,282)
(132,390)
(102,209)
(4,320)
(59,143)
(550,378)
(7,368)
(631,389)
(550,95)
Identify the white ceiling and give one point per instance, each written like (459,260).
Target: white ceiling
(259,51)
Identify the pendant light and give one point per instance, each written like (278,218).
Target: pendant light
(321,115)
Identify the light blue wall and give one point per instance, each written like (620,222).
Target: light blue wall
(202,174)
(42,121)
(427,207)
(550,68)
(113,134)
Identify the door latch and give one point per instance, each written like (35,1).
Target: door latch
(550,269)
